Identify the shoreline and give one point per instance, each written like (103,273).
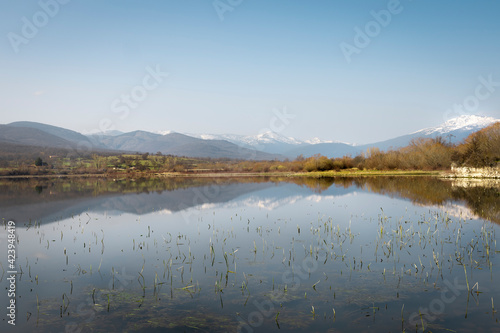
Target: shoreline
(315,174)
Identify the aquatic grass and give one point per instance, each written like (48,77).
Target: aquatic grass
(314,285)
(143,284)
(402,318)
(466,279)
(421,320)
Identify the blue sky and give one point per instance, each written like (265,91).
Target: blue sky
(232,75)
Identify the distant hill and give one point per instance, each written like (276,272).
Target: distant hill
(269,142)
(13,151)
(264,146)
(109,133)
(180,144)
(42,135)
(32,136)
(275,143)
(60,132)
(333,149)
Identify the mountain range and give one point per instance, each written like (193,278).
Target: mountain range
(453,131)
(264,146)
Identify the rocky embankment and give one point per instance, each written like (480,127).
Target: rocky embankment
(467,172)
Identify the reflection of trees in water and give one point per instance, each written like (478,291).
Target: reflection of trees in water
(317,185)
(482,200)
(422,190)
(64,188)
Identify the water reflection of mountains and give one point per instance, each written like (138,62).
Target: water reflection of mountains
(50,200)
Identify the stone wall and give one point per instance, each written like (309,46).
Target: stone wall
(474,172)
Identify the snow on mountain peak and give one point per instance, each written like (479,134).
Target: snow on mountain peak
(464,122)
(267,137)
(468,121)
(315,141)
(263,138)
(164,132)
(273,137)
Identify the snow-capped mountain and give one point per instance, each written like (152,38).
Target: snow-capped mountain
(315,141)
(271,138)
(454,131)
(270,142)
(263,146)
(275,145)
(462,123)
(268,137)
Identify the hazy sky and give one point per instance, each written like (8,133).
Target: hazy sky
(356,71)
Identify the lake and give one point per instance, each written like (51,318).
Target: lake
(380,254)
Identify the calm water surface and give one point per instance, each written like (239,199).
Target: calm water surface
(253,255)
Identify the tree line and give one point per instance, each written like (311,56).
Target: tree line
(479,149)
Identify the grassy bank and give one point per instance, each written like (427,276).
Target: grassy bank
(359,173)
(227,174)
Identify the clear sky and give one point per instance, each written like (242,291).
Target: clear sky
(234,64)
